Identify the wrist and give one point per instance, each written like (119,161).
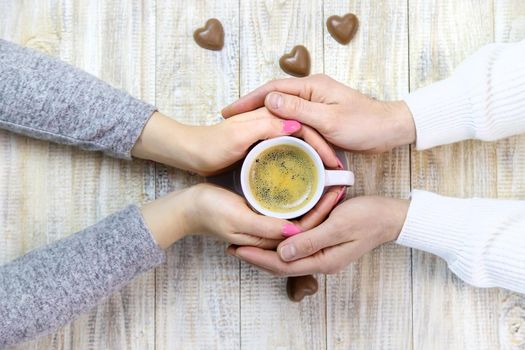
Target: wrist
(167,217)
(403,129)
(162,141)
(399,214)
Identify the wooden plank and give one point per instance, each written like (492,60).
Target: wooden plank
(268,30)
(198,287)
(49,191)
(447,312)
(509,26)
(369,303)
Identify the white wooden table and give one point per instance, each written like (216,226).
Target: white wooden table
(393,298)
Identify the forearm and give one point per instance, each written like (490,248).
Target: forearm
(46,98)
(482,240)
(483,99)
(167,141)
(48,287)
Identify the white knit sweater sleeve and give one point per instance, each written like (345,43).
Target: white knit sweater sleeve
(482,240)
(483,99)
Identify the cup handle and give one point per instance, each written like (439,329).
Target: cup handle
(338,177)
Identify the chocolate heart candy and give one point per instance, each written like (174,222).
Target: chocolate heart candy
(297,62)
(301,286)
(343,28)
(210,37)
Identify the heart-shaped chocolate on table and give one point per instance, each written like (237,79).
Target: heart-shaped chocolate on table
(300,286)
(297,62)
(343,28)
(210,37)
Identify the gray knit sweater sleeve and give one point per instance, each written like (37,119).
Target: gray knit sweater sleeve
(46,98)
(48,287)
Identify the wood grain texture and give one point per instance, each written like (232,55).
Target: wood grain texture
(509,26)
(447,312)
(198,287)
(369,303)
(201,299)
(269,319)
(50,191)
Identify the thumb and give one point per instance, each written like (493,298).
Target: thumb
(293,107)
(268,227)
(309,242)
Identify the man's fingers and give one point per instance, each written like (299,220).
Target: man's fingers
(251,101)
(292,107)
(325,151)
(255,99)
(270,261)
(321,210)
(330,260)
(310,242)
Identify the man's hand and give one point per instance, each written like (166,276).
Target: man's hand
(344,116)
(354,228)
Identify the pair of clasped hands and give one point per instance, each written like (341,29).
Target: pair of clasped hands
(317,109)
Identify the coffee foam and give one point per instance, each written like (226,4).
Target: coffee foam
(283,178)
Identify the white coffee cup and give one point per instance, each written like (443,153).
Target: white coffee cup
(326,177)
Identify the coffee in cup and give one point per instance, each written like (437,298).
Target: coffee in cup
(284,177)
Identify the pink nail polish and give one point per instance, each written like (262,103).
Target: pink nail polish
(291,126)
(290,230)
(339,164)
(341,195)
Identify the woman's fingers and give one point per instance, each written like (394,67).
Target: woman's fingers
(268,128)
(264,226)
(268,227)
(255,99)
(260,124)
(244,239)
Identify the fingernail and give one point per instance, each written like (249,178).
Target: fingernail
(290,230)
(339,164)
(341,195)
(288,252)
(291,126)
(275,100)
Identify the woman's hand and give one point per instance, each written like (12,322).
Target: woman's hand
(353,228)
(207,150)
(209,209)
(344,116)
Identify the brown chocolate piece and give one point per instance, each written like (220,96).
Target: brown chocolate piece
(343,28)
(301,286)
(297,62)
(210,37)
